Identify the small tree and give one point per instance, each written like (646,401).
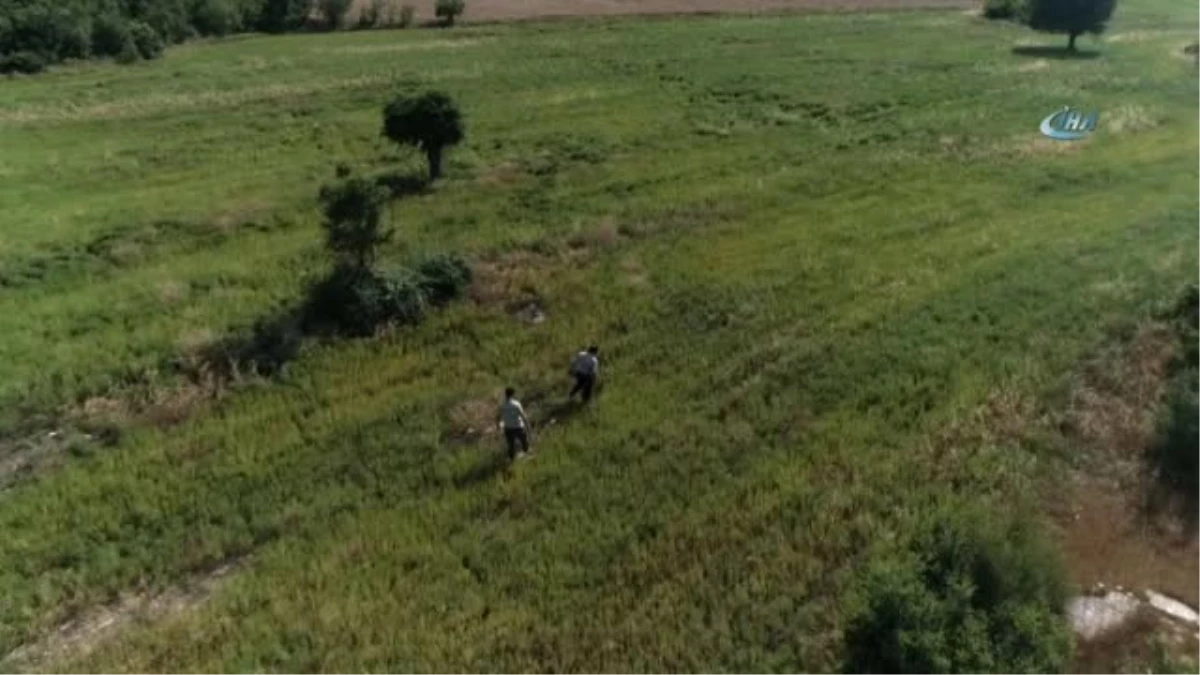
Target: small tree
(431,122)
(449,10)
(334,12)
(1073,17)
(353,211)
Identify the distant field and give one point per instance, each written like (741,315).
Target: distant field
(507,10)
(812,246)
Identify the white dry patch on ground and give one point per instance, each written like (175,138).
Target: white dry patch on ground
(1128,118)
(1145,35)
(1094,615)
(79,636)
(405,46)
(1033,66)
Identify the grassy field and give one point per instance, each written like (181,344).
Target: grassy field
(807,245)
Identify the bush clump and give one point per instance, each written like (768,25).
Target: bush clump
(977,592)
(443,277)
(110,35)
(357,301)
(148,42)
(1002,9)
(27,63)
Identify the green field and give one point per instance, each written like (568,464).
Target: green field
(807,245)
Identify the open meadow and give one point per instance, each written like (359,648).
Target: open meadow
(836,274)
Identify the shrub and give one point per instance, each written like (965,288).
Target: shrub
(443,277)
(430,121)
(1001,9)
(110,35)
(353,209)
(129,53)
(449,10)
(333,12)
(978,592)
(408,15)
(22,62)
(278,16)
(148,42)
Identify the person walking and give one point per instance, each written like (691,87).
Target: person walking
(516,425)
(585,368)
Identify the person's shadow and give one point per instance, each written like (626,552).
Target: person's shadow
(1058,53)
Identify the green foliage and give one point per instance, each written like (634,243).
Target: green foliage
(110,35)
(27,63)
(353,210)
(148,42)
(333,12)
(449,10)
(1072,17)
(51,31)
(1002,9)
(429,121)
(978,592)
(215,17)
(356,301)
(279,16)
(443,277)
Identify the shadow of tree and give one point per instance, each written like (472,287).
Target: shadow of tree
(1054,52)
(1174,458)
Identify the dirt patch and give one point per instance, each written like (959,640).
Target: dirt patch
(472,420)
(510,10)
(530,312)
(76,638)
(1033,66)
(1108,533)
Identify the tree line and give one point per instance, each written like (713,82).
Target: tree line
(38,33)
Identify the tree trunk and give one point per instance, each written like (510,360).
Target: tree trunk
(1071,42)
(435,162)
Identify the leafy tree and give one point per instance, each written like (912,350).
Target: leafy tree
(353,211)
(1073,17)
(449,10)
(430,122)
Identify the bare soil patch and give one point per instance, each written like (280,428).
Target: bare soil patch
(482,11)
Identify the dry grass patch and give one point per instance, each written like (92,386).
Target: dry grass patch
(77,637)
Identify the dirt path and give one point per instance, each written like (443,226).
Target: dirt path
(509,10)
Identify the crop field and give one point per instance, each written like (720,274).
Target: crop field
(812,247)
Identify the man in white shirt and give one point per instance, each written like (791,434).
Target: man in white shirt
(585,368)
(516,425)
